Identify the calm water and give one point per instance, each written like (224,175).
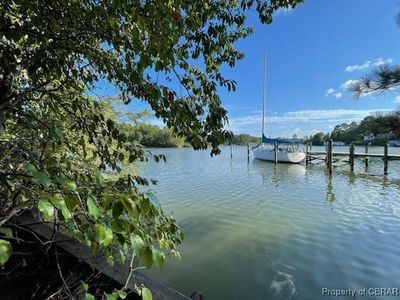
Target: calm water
(259,231)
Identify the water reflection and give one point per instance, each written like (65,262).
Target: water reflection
(234,212)
(283,287)
(279,173)
(330,195)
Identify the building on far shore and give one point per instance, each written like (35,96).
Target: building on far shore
(394,143)
(369,137)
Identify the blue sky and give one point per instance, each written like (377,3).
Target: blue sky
(312,51)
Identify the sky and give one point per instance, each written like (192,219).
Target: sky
(313,52)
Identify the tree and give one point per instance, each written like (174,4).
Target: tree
(318,139)
(62,154)
(382,79)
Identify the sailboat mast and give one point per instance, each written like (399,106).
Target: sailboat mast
(264,94)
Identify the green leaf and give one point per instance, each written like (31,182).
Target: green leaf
(46,209)
(85,286)
(137,244)
(141,23)
(130,207)
(6,231)
(145,205)
(122,294)
(5,251)
(66,213)
(158,258)
(59,134)
(41,178)
(29,168)
(110,260)
(148,257)
(71,201)
(57,201)
(113,296)
(121,157)
(117,209)
(99,179)
(89,296)
(146,294)
(67,183)
(104,235)
(93,208)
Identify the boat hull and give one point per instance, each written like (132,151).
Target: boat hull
(268,154)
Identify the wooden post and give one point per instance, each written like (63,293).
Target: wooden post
(385,159)
(248,151)
(330,156)
(351,157)
(231,150)
(366,159)
(306,153)
(326,153)
(276,152)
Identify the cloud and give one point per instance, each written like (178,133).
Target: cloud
(305,116)
(368,64)
(397,99)
(348,84)
(332,92)
(338,95)
(329,91)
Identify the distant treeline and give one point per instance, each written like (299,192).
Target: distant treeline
(376,129)
(152,135)
(244,138)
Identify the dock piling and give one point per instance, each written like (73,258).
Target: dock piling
(366,158)
(306,153)
(276,152)
(231,150)
(248,152)
(351,160)
(385,159)
(330,156)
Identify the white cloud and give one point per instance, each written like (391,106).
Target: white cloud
(338,95)
(397,99)
(347,85)
(370,63)
(322,116)
(329,91)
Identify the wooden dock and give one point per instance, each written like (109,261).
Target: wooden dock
(329,156)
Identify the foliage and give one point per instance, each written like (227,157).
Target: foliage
(243,139)
(148,135)
(379,125)
(62,153)
(318,139)
(383,78)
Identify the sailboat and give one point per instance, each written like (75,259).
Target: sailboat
(276,149)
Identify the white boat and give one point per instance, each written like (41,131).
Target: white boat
(274,149)
(284,153)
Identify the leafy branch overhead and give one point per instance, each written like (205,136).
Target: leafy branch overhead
(49,46)
(62,152)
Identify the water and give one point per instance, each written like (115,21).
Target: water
(259,231)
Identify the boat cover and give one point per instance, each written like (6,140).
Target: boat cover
(266,140)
